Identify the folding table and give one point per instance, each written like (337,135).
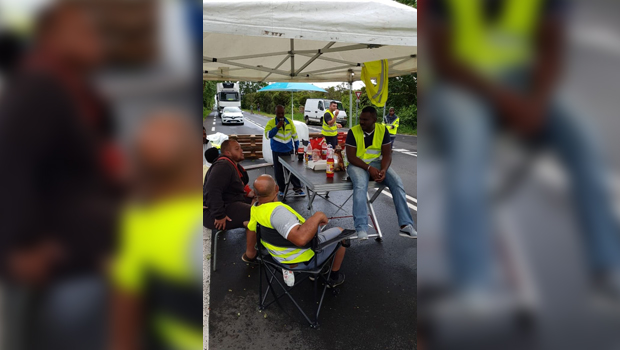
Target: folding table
(317,183)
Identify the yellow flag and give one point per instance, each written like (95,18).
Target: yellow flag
(378,71)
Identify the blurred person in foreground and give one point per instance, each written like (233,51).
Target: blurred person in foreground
(60,186)
(370,155)
(227,196)
(497,64)
(157,273)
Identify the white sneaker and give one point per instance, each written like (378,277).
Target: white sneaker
(408,231)
(362,235)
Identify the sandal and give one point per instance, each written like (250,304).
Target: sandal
(248,260)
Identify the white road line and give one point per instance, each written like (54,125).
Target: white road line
(411,154)
(213,128)
(412,199)
(412,206)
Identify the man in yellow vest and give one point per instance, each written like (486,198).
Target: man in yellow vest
(284,142)
(498,63)
(330,126)
(287,235)
(157,273)
(391,124)
(370,155)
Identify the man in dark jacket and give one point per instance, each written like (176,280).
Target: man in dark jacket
(226,202)
(60,171)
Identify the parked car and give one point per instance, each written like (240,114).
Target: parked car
(232,115)
(315,109)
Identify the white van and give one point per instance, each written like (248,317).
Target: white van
(315,109)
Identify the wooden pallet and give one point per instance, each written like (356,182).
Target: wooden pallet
(252,145)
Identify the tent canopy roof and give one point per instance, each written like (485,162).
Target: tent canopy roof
(306,40)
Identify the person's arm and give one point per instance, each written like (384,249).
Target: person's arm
(386,156)
(295,137)
(271,129)
(125,319)
(355,160)
(351,146)
(23,151)
(219,179)
(300,235)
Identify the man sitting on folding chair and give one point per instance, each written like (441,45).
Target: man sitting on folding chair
(287,235)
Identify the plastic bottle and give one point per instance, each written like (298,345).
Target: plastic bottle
(344,159)
(289,277)
(329,170)
(316,155)
(324,150)
(308,153)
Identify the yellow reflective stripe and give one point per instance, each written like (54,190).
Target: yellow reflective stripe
(288,255)
(178,335)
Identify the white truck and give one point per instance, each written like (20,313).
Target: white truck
(228,95)
(315,109)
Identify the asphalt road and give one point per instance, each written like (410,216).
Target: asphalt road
(376,307)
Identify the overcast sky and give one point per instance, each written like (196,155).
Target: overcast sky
(356,85)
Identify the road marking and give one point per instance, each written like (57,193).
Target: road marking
(406,151)
(412,206)
(213,128)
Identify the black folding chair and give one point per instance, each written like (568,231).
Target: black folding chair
(271,268)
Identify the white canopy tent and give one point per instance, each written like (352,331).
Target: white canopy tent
(306,40)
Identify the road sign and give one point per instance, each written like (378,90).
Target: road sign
(358,94)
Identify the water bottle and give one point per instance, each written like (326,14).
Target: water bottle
(289,277)
(308,153)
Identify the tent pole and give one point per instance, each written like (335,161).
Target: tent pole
(350,102)
(292,106)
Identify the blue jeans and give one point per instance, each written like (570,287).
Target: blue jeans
(466,123)
(360,178)
(279,172)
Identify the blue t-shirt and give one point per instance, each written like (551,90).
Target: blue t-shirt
(367,139)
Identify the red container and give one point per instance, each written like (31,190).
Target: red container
(342,138)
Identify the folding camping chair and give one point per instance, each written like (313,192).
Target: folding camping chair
(271,267)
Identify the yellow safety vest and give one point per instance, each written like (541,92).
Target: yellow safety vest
(283,136)
(329,130)
(374,151)
(280,248)
(155,260)
(392,127)
(491,48)
(377,70)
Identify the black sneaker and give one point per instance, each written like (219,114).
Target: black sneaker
(312,278)
(336,282)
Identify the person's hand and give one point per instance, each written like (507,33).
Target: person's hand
(381,175)
(280,124)
(251,194)
(374,173)
(336,113)
(221,224)
(339,125)
(522,115)
(33,265)
(323,220)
